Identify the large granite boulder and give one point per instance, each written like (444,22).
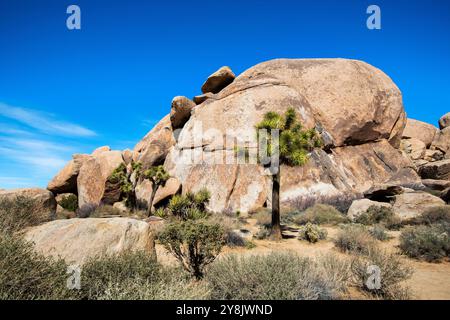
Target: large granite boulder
(94,174)
(66,180)
(422,131)
(438,170)
(444,121)
(180,111)
(44,201)
(411,204)
(414,148)
(218,80)
(153,148)
(76,240)
(360,206)
(442,142)
(356,107)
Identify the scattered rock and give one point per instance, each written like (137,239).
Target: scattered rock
(444,122)
(438,170)
(411,204)
(414,148)
(422,131)
(359,207)
(180,111)
(218,80)
(44,201)
(76,240)
(66,180)
(203,97)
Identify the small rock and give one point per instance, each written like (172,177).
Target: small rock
(218,80)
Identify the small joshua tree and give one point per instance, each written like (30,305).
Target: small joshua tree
(158,178)
(292,149)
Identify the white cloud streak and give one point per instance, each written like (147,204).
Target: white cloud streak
(44,122)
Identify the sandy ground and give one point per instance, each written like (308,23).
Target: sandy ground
(430,281)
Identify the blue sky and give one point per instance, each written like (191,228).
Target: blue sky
(64,92)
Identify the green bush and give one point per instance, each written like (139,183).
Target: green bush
(18,213)
(161,213)
(379,215)
(195,244)
(430,243)
(70,203)
(393,272)
(136,276)
(379,232)
(320,214)
(264,232)
(277,276)
(354,238)
(312,233)
(26,275)
(191,206)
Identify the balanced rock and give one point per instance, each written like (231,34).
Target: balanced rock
(439,170)
(66,180)
(411,204)
(180,111)
(218,80)
(43,201)
(414,148)
(422,131)
(76,240)
(444,122)
(153,148)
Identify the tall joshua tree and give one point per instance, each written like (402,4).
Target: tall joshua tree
(292,148)
(158,178)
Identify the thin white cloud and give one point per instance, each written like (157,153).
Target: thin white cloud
(44,122)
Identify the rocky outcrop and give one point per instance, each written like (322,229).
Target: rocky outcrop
(43,200)
(359,207)
(203,97)
(442,142)
(93,175)
(436,184)
(439,170)
(144,190)
(356,107)
(100,150)
(411,204)
(76,240)
(444,121)
(419,130)
(66,180)
(180,111)
(153,148)
(414,148)
(218,80)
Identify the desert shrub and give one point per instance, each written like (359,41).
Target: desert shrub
(195,244)
(264,232)
(354,238)
(161,213)
(191,206)
(276,276)
(229,226)
(25,274)
(69,203)
(392,273)
(340,202)
(18,213)
(263,217)
(320,214)
(379,215)
(429,243)
(312,233)
(434,215)
(135,276)
(105,211)
(379,232)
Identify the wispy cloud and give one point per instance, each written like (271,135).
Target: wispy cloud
(44,122)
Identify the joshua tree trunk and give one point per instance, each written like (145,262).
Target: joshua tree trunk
(276,225)
(150,202)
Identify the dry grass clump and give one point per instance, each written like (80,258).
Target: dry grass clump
(354,238)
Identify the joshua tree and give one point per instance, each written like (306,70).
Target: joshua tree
(158,177)
(292,148)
